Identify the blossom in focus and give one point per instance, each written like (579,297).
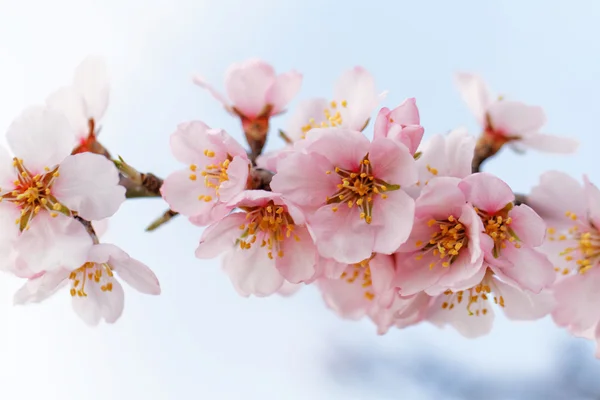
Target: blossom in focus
(355,97)
(43,186)
(84,102)
(512,233)
(444,155)
(266,243)
(402,312)
(218,171)
(506,121)
(470,310)
(95,291)
(255,94)
(352,191)
(444,247)
(401,124)
(572,212)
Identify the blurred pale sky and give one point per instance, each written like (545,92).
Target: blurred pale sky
(199,339)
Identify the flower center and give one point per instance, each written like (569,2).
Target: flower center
(476,302)
(32,193)
(497,226)
(214,174)
(446,241)
(359,188)
(92,273)
(586,249)
(270,225)
(360,272)
(333,117)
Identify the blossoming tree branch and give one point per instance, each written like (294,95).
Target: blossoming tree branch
(385,226)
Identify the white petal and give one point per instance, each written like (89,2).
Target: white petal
(70,102)
(475,93)
(468,325)
(550,143)
(100,305)
(252,272)
(40,288)
(89,184)
(220,236)
(42,137)
(524,305)
(91,81)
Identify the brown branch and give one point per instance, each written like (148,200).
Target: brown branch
(89,228)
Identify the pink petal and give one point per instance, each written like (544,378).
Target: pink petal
(53,243)
(475,93)
(42,137)
(303,179)
(303,113)
(220,236)
(344,148)
(252,272)
(182,194)
(342,235)
(70,102)
(41,288)
(392,221)
(289,289)
(99,305)
(392,163)
(487,192)
(470,326)
(357,88)
(200,81)
(91,81)
(460,147)
(89,184)
(531,269)
(432,162)
(522,305)
(528,226)
(383,272)
(406,113)
(300,256)
(550,143)
(592,196)
(413,275)
(577,299)
(410,136)
(216,213)
(237,173)
(7,171)
(440,199)
(556,194)
(247,85)
(136,274)
(513,118)
(461,274)
(382,123)
(474,228)
(284,89)
(345,299)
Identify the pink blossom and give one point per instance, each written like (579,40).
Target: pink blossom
(470,310)
(401,124)
(444,248)
(95,291)
(444,155)
(218,171)
(512,233)
(509,121)
(402,312)
(572,212)
(255,90)
(352,192)
(84,102)
(266,243)
(43,186)
(360,287)
(355,96)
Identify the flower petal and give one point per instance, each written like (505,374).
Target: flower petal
(357,88)
(237,174)
(487,192)
(307,111)
(42,287)
(531,269)
(468,325)
(592,196)
(89,184)
(392,221)
(440,199)
(183,194)
(475,93)
(513,118)
(42,137)
(392,163)
(99,305)
(91,81)
(329,142)
(550,143)
(284,89)
(460,147)
(300,256)
(247,84)
(220,236)
(577,299)
(200,81)
(252,272)
(521,305)
(528,226)
(69,101)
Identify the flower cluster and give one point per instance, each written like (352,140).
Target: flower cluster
(385,225)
